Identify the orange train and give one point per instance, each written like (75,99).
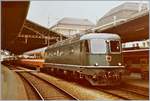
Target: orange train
(38,63)
(33,58)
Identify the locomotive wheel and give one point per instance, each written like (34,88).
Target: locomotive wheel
(68,75)
(76,76)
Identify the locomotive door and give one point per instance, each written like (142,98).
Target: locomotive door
(83,52)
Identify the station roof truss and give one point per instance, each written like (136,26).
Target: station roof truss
(132,29)
(35,36)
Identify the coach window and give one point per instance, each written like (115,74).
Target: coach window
(48,53)
(61,53)
(57,52)
(51,54)
(148,44)
(71,49)
(45,54)
(54,53)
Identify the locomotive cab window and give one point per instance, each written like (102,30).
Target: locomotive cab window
(98,46)
(114,46)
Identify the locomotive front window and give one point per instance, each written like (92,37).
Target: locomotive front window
(98,46)
(115,46)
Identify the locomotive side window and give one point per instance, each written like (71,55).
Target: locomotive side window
(81,46)
(86,45)
(114,46)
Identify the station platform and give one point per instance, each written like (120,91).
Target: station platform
(12,85)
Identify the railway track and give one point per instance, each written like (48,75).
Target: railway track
(77,92)
(32,92)
(126,92)
(123,92)
(44,89)
(136,89)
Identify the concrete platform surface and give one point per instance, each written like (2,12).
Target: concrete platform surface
(12,85)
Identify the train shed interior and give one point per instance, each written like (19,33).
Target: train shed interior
(88,67)
(26,35)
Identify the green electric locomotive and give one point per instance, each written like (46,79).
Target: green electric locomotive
(96,57)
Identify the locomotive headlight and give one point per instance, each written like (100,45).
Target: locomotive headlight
(96,64)
(119,63)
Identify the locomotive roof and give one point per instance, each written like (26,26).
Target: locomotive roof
(104,36)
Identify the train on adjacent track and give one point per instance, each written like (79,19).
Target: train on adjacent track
(136,57)
(96,57)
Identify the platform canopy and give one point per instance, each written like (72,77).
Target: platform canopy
(13,16)
(19,34)
(133,29)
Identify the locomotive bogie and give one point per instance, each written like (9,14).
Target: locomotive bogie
(101,76)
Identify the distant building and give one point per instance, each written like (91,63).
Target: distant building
(122,12)
(70,26)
